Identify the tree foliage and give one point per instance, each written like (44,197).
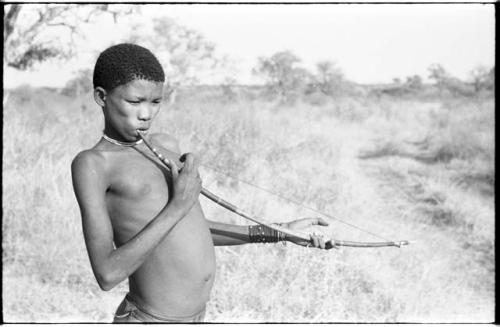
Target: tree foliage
(34,33)
(438,74)
(414,82)
(183,52)
(329,78)
(80,84)
(445,82)
(412,85)
(283,73)
(482,78)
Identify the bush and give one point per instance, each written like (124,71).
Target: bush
(81,84)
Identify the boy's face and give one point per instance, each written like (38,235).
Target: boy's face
(130,107)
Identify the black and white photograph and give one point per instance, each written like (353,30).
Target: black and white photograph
(248,163)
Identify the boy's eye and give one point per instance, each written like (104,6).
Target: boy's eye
(133,102)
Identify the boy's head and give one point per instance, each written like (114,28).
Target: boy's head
(128,83)
(123,63)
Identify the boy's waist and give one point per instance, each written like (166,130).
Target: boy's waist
(147,308)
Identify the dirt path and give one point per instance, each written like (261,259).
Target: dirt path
(432,280)
(361,198)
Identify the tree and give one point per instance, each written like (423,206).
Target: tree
(329,77)
(184,53)
(490,79)
(438,74)
(9,20)
(282,73)
(446,82)
(80,84)
(482,78)
(414,82)
(37,32)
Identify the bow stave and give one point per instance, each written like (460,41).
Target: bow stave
(302,236)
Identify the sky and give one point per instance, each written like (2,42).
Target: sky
(370,43)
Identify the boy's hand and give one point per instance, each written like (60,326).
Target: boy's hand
(316,241)
(186,183)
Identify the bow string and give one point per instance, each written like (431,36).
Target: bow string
(231,207)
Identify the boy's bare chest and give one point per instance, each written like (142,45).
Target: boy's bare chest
(137,177)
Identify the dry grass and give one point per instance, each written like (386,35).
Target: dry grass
(401,168)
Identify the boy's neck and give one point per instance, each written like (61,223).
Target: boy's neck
(120,143)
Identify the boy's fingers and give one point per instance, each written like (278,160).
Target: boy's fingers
(322,243)
(320,221)
(173,169)
(196,163)
(192,164)
(314,241)
(188,159)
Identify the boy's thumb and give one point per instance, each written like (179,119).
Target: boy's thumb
(174,170)
(321,222)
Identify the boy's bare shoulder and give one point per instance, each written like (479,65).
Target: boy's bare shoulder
(88,159)
(166,141)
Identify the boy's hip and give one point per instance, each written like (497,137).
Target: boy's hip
(129,312)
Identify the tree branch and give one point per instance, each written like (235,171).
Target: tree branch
(9,21)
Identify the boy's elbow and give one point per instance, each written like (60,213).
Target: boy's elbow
(108,273)
(105,286)
(107,281)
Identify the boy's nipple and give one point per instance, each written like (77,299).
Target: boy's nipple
(208,277)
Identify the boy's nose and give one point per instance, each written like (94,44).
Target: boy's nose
(145,113)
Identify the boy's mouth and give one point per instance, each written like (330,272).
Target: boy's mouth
(141,132)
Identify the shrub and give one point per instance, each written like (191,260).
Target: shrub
(81,84)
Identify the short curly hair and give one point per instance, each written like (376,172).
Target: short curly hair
(125,62)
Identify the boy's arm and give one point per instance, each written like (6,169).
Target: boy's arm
(228,234)
(110,265)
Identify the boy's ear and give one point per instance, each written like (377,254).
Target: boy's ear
(100,96)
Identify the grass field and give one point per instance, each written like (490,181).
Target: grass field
(417,169)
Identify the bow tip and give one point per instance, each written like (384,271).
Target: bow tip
(401,243)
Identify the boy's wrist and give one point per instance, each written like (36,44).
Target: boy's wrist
(173,211)
(283,237)
(264,234)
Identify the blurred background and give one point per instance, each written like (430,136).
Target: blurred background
(381,116)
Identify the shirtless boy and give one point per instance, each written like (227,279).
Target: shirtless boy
(142,221)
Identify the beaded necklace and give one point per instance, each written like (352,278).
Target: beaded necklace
(120,143)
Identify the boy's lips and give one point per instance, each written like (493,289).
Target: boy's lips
(142,130)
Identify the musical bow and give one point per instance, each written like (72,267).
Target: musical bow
(302,236)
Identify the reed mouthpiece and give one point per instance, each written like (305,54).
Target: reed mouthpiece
(140,133)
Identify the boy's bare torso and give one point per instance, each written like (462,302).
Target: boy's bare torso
(177,277)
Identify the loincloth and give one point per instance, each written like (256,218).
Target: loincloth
(129,312)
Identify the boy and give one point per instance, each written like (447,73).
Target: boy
(140,220)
